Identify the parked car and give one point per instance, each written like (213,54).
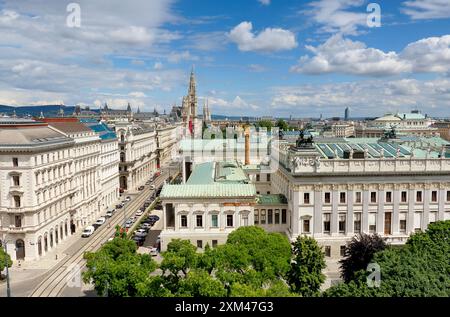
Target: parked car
(139,240)
(119,206)
(153,217)
(139,213)
(140,233)
(87,232)
(154,252)
(152,187)
(128,198)
(110,239)
(109,214)
(146,225)
(148,182)
(128,225)
(100,221)
(141,187)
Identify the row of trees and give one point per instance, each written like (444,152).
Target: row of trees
(256,263)
(252,263)
(420,268)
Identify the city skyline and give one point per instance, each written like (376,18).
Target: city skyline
(299,58)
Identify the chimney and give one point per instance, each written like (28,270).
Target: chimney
(247,146)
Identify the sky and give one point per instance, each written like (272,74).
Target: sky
(251,57)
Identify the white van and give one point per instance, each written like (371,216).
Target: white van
(100,221)
(88,232)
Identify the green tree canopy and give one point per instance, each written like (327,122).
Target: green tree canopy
(265,124)
(305,275)
(282,125)
(4,259)
(420,268)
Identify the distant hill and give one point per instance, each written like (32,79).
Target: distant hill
(35,111)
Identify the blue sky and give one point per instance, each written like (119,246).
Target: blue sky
(251,57)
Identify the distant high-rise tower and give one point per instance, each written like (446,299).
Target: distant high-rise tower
(347,114)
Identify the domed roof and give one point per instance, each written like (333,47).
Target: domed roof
(389,117)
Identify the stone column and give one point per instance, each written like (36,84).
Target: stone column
(349,220)
(410,216)
(380,213)
(295,212)
(334,227)
(365,211)
(396,212)
(442,199)
(426,206)
(317,219)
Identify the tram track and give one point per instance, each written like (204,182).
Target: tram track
(57,278)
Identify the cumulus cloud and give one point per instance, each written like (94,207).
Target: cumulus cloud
(365,98)
(336,15)
(268,40)
(340,55)
(229,106)
(176,57)
(426,9)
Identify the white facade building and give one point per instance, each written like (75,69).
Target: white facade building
(138,153)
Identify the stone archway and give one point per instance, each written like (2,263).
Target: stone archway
(40,245)
(20,249)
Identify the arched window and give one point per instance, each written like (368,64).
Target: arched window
(45,242)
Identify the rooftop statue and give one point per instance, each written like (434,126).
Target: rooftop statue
(303,142)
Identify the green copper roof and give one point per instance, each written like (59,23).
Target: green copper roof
(217,172)
(273,199)
(208,191)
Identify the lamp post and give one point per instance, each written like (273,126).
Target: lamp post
(8,287)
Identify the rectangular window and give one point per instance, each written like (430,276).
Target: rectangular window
(327,251)
(372,222)
(200,244)
(404,197)
(306,198)
(256,217)
(342,218)
(16,180)
(419,196)
(269,216)
(214,243)
(448,195)
(358,197)
(388,197)
(18,221)
(434,197)
(373,197)
(342,250)
(283,216)
(199,221)
(263,216)
(306,226)
(387,223)
(327,198)
(402,217)
(257,177)
(326,223)
(229,220)
(277,216)
(357,223)
(15,161)
(268,177)
(184,221)
(17,201)
(342,198)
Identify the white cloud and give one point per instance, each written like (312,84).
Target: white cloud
(268,40)
(340,55)
(181,56)
(137,94)
(264,2)
(365,98)
(335,16)
(346,56)
(256,68)
(224,105)
(427,9)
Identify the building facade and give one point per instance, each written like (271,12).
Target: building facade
(138,153)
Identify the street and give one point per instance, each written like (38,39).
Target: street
(62,276)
